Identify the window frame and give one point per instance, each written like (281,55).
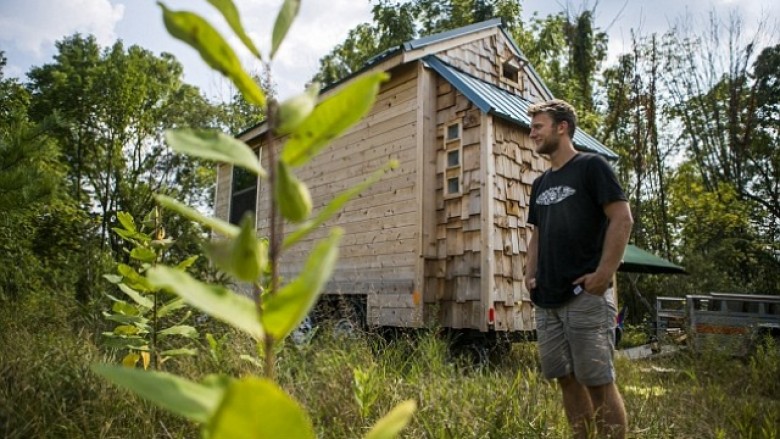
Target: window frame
(450,171)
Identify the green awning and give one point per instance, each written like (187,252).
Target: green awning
(636,260)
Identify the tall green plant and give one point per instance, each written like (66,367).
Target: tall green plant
(256,407)
(151,317)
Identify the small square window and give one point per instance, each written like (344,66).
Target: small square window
(453,185)
(453,158)
(510,70)
(453,131)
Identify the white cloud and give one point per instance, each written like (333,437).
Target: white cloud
(320,25)
(33,25)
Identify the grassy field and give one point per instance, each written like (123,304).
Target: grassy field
(48,391)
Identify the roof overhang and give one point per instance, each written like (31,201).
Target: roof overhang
(498,102)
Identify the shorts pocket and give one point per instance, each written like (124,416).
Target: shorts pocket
(588,311)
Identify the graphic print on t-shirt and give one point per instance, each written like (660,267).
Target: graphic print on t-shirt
(555,195)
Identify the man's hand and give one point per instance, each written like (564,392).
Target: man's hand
(594,283)
(530,283)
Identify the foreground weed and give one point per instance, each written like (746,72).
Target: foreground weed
(223,406)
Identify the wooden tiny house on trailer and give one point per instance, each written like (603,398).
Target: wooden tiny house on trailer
(443,237)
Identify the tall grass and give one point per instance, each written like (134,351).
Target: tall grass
(347,382)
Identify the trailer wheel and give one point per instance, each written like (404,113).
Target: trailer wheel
(481,348)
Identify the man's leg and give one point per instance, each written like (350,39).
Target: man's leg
(610,413)
(591,322)
(577,404)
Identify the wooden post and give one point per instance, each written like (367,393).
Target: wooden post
(487,168)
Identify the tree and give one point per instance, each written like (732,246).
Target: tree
(115,104)
(392,25)
(14,99)
(729,122)
(567,51)
(397,22)
(763,155)
(635,128)
(42,234)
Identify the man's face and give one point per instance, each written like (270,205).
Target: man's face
(545,133)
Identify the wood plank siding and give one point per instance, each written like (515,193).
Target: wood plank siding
(453,276)
(222,191)
(485,58)
(380,248)
(516,167)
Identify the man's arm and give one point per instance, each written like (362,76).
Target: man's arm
(531,256)
(615,240)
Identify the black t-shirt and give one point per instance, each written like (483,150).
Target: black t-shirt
(567,208)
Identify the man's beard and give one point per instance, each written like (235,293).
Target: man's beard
(550,145)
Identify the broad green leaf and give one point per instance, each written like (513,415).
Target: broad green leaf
(249,256)
(130,359)
(136,296)
(113,278)
(171,306)
(215,224)
(213,145)
(126,319)
(256,408)
(127,330)
(392,423)
(292,195)
(229,11)
(283,22)
(125,308)
(331,117)
(296,109)
(284,311)
(198,33)
(218,302)
(143,254)
(179,352)
(187,263)
(127,221)
(185,398)
(132,237)
(132,279)
(181,330)
(244,257)
(335,205)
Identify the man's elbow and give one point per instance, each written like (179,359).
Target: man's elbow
(627,221)
(620,214)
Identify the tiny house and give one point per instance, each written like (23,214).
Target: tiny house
(442,239)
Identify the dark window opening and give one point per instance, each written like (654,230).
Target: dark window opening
(243,194)
(453,131)
(453,158)
(510,70)
(453,185)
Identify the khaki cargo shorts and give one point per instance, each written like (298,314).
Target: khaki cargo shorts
(579,338)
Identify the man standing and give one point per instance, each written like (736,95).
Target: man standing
(582,222)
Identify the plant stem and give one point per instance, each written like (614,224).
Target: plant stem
(159,235)
(276,226)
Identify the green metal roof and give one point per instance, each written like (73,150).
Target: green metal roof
(636,260)
(494,100)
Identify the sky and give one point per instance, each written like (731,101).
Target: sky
(29,29)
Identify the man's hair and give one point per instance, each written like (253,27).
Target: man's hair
(559,111)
